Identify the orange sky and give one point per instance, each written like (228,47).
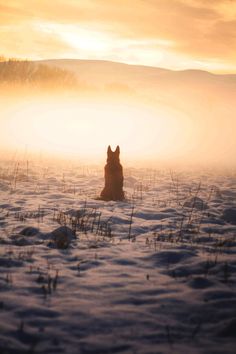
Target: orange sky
(176,34)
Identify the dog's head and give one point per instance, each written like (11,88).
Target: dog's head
(113,156)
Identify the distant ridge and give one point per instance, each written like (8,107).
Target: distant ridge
(116,64)
(170,87)
(105,72)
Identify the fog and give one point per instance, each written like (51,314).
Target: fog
(156,116)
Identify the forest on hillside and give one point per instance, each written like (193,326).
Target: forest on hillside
(14,71)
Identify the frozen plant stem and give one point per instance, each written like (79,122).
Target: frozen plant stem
(130,223)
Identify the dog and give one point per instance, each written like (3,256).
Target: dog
(114,178)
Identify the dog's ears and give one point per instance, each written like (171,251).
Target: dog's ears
(117,151)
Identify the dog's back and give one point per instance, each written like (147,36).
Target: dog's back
(113,189)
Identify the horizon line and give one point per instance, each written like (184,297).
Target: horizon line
(214,72)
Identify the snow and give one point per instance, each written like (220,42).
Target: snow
(162,281)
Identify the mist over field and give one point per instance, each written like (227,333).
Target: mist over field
(117,177)
(75,108)
(153,271)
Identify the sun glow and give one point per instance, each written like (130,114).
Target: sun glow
(82,129)
(82,39)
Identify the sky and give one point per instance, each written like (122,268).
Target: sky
(176,34)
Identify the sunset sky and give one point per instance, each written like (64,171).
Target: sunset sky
(177,34)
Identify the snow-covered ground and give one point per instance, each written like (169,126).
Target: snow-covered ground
(153,274)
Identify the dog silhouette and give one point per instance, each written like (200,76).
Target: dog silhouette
(114,178)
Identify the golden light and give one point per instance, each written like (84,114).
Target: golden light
(81,39)
(84,129)
(85,40)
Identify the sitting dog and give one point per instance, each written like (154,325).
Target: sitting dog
(113,189)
